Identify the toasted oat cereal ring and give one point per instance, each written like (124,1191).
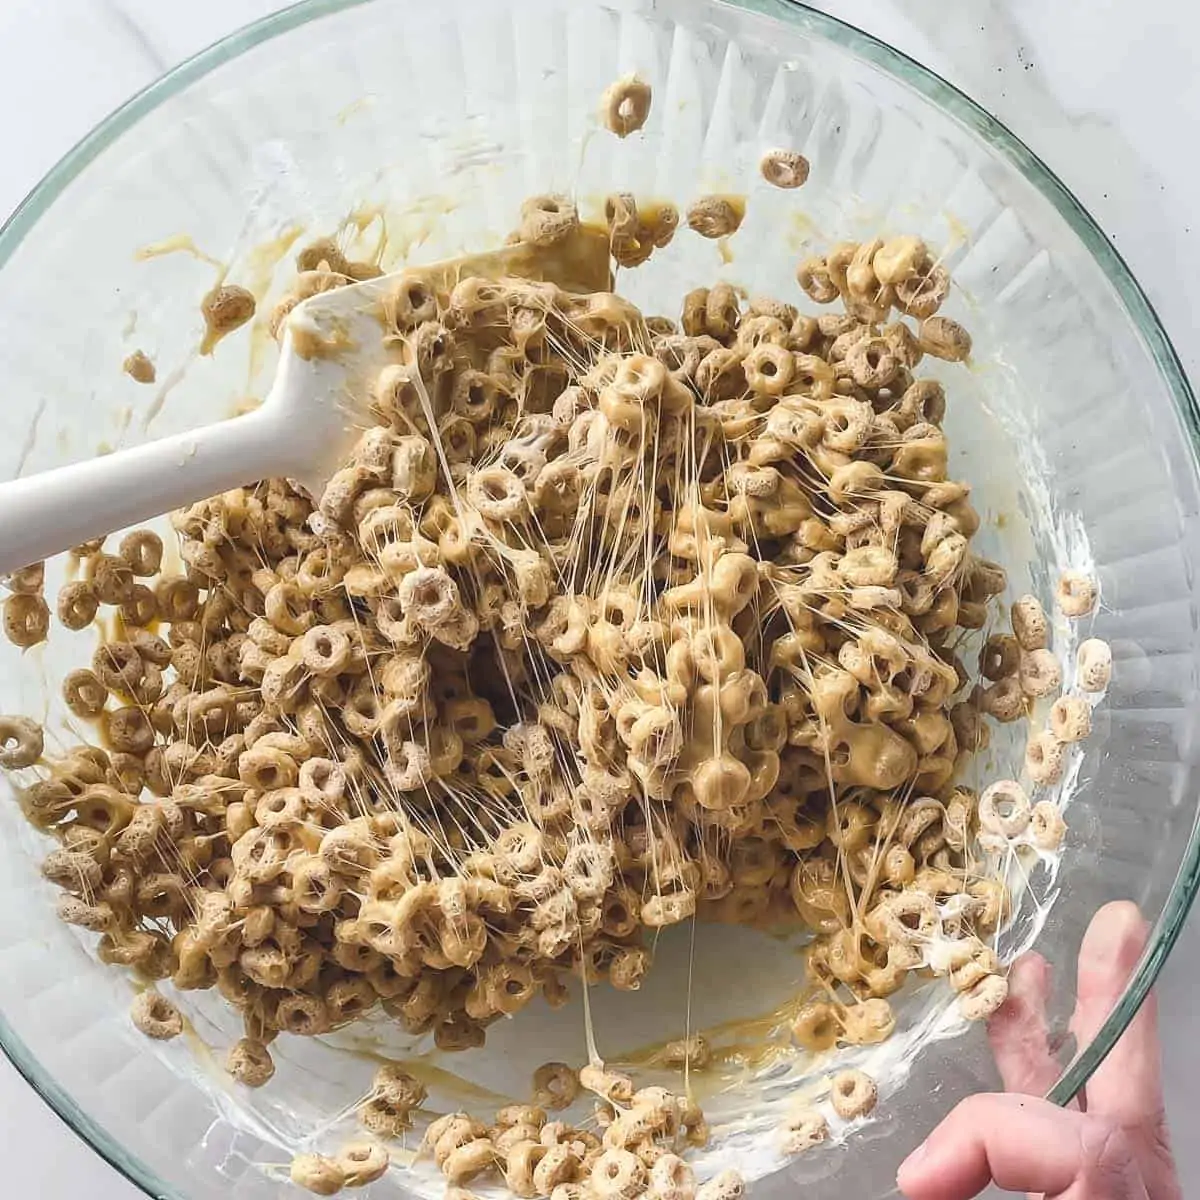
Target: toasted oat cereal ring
(21,742)
(1071,718)
(156,1017)
(853,1094)
(784,168)
(1076,593)
(26,620)
(317,1174)
(625,105)
(77,604)
(1093,661)
(1004,809)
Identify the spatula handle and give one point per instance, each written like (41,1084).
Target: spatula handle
(48,513)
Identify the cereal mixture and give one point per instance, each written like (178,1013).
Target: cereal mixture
(612,621)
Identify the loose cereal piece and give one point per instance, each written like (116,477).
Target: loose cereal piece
(611,1085)
(1045,758)
(693,1052)
(802,1131)
(383,1118)
(522,1160)
(659,221)
(1004,809)
(323,252)
(728,1185)
(142,551)
(21,742)
(1093,662)
(816,1026)
(868,1022)
(140,608)
(73,870)
(547,220)
(398,1086)
(560,1164)
(618,1175)
(362,1162)
(899,259)
(555,1085)
(1004,700)
(1039,673)
(944,338)
(250,1063)
(922,294)
(1076,593)
(671,1179)
(448,1132)
(111,577)
(969,962)
(1071,718)
(716,216)
(634,233)
(625,105)
(318,1174)
(1029,623)
(28,581)
(853,1094)
(784,168)
(26,620)
(156,1016)
(138,367)
(96,918)
(979,1002)
(1000,657)
(1047,827)
(225,308)
(814,277)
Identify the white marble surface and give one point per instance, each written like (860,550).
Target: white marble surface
(1089,84)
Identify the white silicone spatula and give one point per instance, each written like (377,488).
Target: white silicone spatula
(332,352)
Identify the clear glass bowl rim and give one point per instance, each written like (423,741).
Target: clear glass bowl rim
(909,72)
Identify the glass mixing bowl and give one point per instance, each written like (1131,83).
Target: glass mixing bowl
(427,124)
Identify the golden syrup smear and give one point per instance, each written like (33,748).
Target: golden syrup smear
(652,211)
(739,1048)
(243,405)
(257,275)
(802,230)
(420,1067)
(960,233)
(260,264)
(361,219)
(181,243)
(354,108)
(310,342)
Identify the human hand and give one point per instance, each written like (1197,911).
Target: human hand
(1112,1146)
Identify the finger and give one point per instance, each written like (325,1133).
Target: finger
(1127,1086)
(1022,1144)
(1017,1031)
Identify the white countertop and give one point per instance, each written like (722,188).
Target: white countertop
(1085,83)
